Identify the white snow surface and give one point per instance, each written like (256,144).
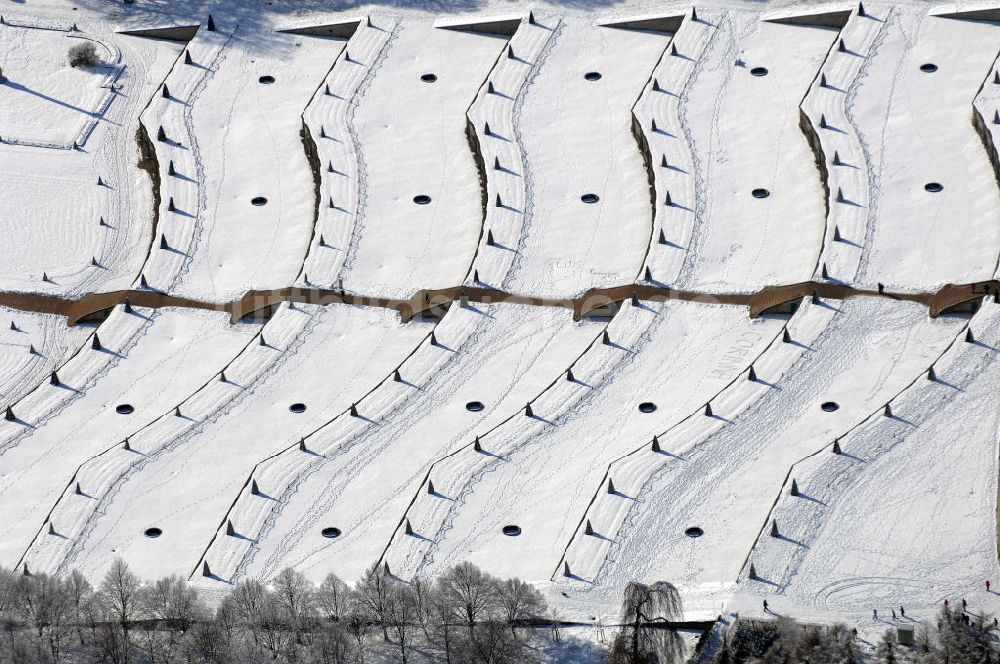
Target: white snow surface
(53,204)
(387,450)
(412,142)
(917,129)
(38,459)
(745,136)
(577,139)
(249,146)
(228,427)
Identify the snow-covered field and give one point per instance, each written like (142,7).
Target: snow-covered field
(721,151)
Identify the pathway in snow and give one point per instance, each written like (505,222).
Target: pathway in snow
(841,153)
(500,152)
(328,129)
(168,125)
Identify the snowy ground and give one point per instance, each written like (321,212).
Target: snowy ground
(228,427)
(529,482)
(239,121)
(53,204)
(916,129)
(37,460)
(906,514)
(577,139)
(412,142)
(502,362)
(742,466)
(672,138)
(744,242)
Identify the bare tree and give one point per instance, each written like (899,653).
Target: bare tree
(519,601)
(297,600)
(423,592)
(470,591)
(356,622)
(207,644)
(8,604)
(172,602)
(443,615)
(333,644)
(333,597)
(402,614)
(373,590)
(120,593)
(44,603)
(78,590)
(258,619)
(178,606)
(493,644)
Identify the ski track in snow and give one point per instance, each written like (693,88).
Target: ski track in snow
(806,568)
(478,331)
(174,441)
(854,481)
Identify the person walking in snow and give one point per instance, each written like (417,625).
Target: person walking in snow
(875,615)
(894,614)
(964,604)
(765,606)
(902,611)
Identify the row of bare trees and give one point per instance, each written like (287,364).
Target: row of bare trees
(463,615)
